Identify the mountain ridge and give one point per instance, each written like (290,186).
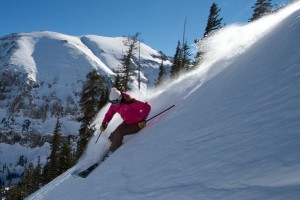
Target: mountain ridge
(42,68)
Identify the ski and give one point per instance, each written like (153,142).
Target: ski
(85,172)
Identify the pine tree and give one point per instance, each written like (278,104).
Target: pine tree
(37,175)
(31,181)
(261,8)
(53,163)
(117,83)
(59,161)
(104,98)
(93,98)
(185,60)
(161,75)
(175,68)
(1,185)
(126,68)
(181,60)
(65,158)
(22,160)
(214,21)
(14,193)
(28,181)
(46,176)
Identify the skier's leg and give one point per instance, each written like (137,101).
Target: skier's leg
(116,137)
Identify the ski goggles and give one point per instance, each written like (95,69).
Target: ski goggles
(116,101)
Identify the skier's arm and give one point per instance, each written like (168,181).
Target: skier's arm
(108,116)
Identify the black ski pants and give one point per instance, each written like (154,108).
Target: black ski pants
(116,137)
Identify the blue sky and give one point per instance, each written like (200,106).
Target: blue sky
(160,22)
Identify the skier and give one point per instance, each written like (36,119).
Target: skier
(133,113)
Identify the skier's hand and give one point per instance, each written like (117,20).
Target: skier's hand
(103,127)
(142,124)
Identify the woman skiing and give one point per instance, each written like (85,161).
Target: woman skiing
(133,113)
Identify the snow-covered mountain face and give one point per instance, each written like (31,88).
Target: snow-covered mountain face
(42,75)
(233,134)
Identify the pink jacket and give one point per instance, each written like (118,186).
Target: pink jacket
(131,113)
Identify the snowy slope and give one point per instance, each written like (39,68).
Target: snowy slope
(233,134)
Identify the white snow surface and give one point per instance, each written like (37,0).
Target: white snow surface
(233,134)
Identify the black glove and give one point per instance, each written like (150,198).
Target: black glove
(103,127)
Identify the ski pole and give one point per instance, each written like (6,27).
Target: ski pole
(98,137)
(160,113)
